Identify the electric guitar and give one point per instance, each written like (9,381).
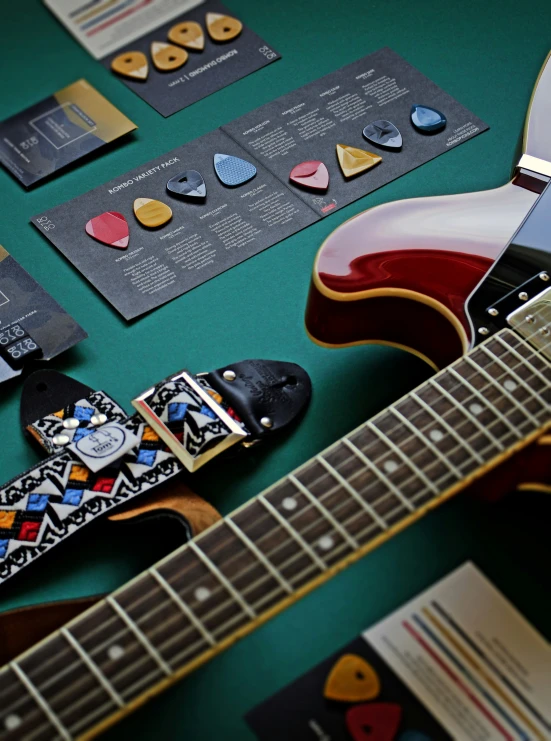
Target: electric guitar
(483,417)
(400,273)
(480,421)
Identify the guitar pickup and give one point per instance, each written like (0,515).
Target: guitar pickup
(515,299)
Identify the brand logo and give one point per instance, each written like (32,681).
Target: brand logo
(102,443)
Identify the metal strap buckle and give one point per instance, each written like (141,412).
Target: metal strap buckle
(191,462)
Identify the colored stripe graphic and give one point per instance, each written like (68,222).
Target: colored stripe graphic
(453,676)
(83,8)
(478,668)
(481,654)
(470,678)
(107,14)
(96,11)
(120,17)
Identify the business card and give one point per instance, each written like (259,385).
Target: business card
(32,324)
(457,662)
(59,130)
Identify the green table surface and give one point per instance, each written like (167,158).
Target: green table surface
(488,56)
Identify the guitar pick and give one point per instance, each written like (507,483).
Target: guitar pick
(223,27)
(188,34)
(353,160)
(151,213)
(167,57)
(233,171)
(110,228)
(414,736)
(311,174)
(352,679)
(188,183)
(132,64)
(427,119)
(376,721)
(383,134)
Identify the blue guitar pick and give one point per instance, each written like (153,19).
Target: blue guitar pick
(188,183)
(384,134)
(233,171)
(427,119)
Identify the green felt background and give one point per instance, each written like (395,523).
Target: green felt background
(487,55)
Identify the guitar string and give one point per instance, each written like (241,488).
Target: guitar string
(322,519)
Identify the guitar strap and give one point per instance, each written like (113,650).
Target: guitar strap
(100,457)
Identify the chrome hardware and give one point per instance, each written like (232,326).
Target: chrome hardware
(483,331)
(532,321)
(493,312)
(229,375)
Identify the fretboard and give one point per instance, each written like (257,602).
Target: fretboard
(328,512)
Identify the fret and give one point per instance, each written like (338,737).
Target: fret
(426,440)
(355,511)
(92,667)
(479,413)
(183,607)
(253,581)
(395,449)
(72,692)
(292,532)
(529,359)
(329,544)
(283,551)
(462,453)
(319,506)
(201,589)
(260,556)
(531,403)
(162,621)
(20,715)
(41,702)
(116,651)
(394,481)
(222,579)
(151,650)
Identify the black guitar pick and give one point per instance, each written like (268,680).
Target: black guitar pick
(188,183)
(383,134)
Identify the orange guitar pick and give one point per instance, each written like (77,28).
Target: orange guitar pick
(188,34)
(352,679)
(131,64)
(223,27)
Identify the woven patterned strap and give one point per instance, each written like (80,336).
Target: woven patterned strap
(56,497)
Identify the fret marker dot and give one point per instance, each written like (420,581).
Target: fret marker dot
(11,722)
(390,466)
(510,385)
(436,435)
(326,543)
(115,652)
(289,503)
(202,593)
(476,409)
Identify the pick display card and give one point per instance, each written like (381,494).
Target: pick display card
(206,236)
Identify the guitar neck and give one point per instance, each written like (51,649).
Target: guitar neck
(292,537)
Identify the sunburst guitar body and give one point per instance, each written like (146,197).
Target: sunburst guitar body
(401,273)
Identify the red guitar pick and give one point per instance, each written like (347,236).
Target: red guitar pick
(312,174)
(376,721)
(110,228)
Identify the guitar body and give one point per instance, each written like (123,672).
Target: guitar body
(401,273)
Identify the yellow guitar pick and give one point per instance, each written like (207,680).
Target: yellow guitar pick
(352,679)
(167,57)
(353,160)
(131,64)
(223,27)
(151,213)
(188,34)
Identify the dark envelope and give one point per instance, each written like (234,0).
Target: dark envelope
(206,236)
(59,130)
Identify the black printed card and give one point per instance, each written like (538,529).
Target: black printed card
(32,324)
(111,29)
(209,235)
